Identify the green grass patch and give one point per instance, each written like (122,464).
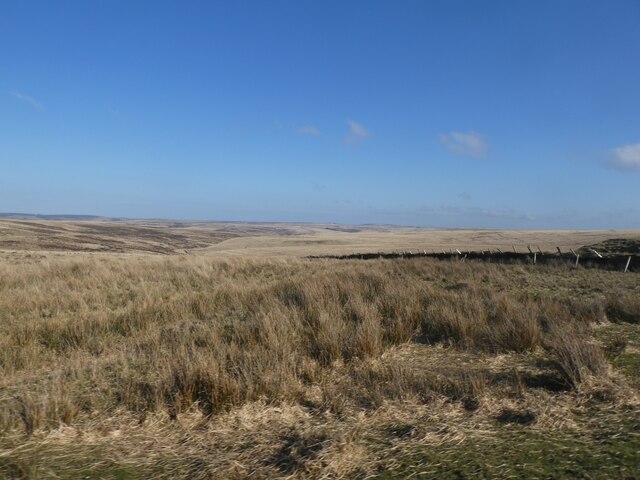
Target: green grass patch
(87,463)
(628,360)
(629,364)
(607,448)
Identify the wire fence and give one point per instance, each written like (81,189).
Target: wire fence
(593,259)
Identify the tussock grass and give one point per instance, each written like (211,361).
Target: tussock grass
(103,344)
(624,308)
(576,356)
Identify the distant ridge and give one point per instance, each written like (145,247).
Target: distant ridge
(37,216)
(341,227)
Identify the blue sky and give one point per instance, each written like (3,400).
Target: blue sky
(506,114)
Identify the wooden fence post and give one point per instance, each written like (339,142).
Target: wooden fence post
(627,266)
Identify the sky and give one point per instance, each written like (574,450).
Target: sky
(491,114)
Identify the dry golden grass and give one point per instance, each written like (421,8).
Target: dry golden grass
(189,366)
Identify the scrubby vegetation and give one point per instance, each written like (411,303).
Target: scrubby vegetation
(189,367)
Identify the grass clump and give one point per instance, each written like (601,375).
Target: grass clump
(576,356)
(624,308)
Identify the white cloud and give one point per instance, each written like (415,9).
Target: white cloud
(470,144)
(626,157)
(308,130)
(27,99)
(357,132)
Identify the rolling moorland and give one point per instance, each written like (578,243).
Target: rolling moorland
(143,349)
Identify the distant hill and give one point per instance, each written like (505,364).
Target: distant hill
(36,216)
(615,246)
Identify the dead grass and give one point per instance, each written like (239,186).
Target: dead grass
(191,367)
(576,356)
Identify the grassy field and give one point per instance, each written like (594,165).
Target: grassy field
(139,365)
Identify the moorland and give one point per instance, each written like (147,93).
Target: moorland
(148,349)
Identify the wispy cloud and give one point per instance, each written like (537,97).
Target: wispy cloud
(470,212)
(455,210)
(470,144)
(308,130)
(320,187)
(626,157)
(114,113)
(357,132)
(27,99)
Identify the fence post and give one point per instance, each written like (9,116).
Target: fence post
(577,259)
(627,266)
(534,258)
